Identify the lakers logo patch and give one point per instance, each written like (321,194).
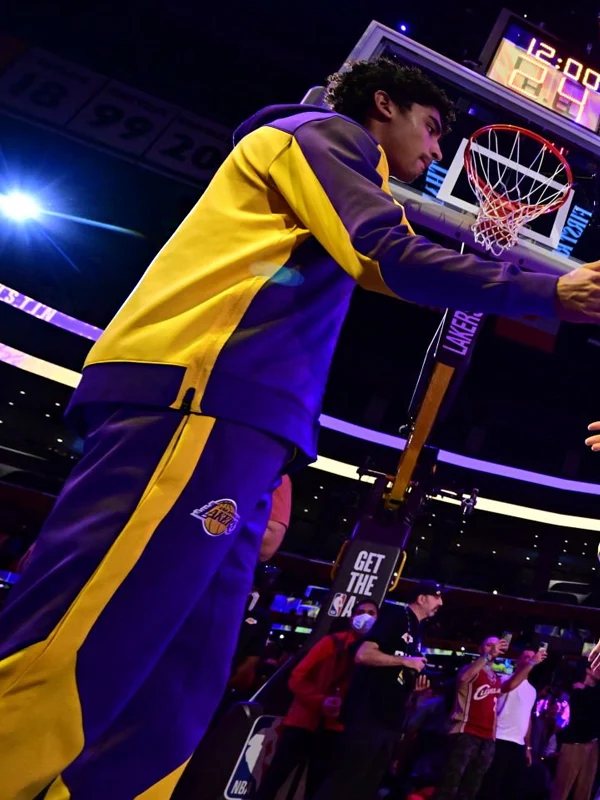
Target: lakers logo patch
(219,517)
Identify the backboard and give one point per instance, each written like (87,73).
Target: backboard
(560,101)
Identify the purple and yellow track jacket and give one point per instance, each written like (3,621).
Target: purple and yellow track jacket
(238,315)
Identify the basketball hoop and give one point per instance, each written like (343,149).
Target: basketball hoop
(517,176)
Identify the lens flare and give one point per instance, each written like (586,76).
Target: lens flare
(19,207)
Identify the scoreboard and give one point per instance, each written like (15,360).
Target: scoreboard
(538,66)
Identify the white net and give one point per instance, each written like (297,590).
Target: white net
(516,177)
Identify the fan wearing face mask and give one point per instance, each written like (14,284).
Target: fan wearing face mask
(312,726)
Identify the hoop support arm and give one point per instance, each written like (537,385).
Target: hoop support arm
(436,391)
(448,356)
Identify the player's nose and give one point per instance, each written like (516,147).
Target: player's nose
(435,152)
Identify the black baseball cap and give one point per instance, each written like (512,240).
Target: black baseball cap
(426,587)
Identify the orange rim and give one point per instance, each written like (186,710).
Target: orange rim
(473,175)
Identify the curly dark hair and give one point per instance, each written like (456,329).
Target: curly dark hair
(350,91)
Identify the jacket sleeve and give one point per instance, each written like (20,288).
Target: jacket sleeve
(328,174)
(304,682)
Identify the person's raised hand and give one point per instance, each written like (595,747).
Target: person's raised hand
(498,648)
(578,294)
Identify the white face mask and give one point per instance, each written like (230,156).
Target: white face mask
(363,623)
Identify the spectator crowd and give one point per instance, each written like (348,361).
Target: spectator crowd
(371,718)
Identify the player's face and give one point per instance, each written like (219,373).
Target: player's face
(411,139)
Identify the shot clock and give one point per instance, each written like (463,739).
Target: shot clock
(539,68)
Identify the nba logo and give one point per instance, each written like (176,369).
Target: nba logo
(254,759)
(337,604)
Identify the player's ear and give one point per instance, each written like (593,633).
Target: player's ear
(383,103)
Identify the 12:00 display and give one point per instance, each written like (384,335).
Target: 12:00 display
(564,85)
(570,66)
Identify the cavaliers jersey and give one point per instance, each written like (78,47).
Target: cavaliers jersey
(476,704)
(238,315)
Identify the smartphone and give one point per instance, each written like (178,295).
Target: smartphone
(544,646)
(507,637)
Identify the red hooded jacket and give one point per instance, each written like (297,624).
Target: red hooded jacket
(323,672)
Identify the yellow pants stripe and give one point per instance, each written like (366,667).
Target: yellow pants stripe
(39,702)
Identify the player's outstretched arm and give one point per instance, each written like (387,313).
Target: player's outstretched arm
(330,174)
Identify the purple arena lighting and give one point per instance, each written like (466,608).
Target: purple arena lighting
(464,462)
(40,311)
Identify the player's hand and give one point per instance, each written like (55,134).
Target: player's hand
(528,757)
(578,294)
(422,684)
(417,663)
(594,658)
(540,656)
(594,441)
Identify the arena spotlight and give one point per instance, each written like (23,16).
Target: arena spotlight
(19,207)
(402,27)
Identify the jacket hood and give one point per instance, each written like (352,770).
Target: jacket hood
(270,114)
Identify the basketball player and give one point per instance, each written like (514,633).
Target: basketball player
(202,392)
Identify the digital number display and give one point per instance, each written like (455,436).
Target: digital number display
(540,71)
